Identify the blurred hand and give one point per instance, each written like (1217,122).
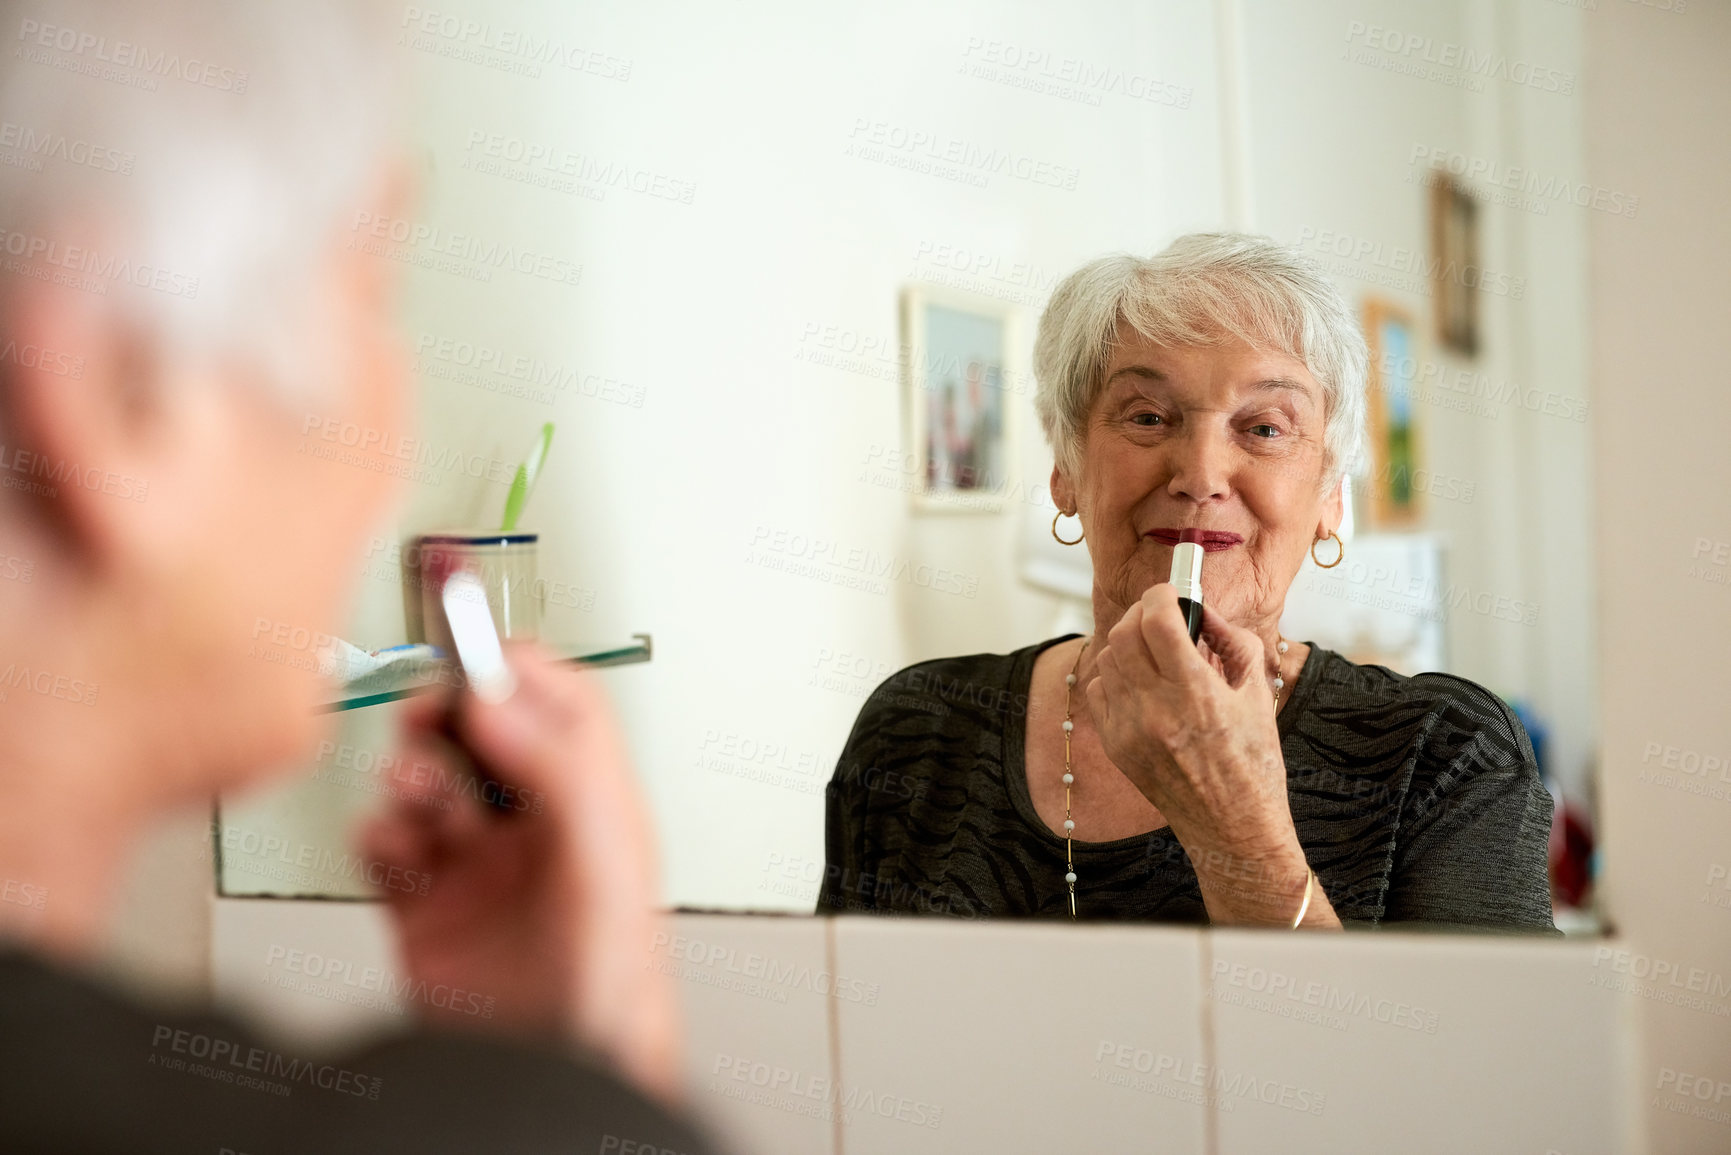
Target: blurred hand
(548,910)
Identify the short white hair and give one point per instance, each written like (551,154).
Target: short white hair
(1203,289)
(211,149)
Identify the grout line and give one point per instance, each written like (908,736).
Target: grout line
(834,1009)
(1205,1016)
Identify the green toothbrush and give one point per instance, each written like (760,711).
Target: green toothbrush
(524,483)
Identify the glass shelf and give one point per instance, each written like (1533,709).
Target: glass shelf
(393,685)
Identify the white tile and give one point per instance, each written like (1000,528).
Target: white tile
(1416,1043)
(315,974)
(756,990)
(1014,1036)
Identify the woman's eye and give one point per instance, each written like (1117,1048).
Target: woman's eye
(1147,419)
(1265,430)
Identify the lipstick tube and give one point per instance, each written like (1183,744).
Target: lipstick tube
(1187,579)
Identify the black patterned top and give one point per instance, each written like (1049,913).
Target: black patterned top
(1415,799)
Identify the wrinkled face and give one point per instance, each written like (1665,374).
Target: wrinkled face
(1227,439)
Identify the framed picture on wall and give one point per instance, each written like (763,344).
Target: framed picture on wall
(959,382)
(1454,226)
(1391,419)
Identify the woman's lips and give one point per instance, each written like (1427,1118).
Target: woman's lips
(1211,540)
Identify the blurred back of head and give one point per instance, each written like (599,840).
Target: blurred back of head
(192,160)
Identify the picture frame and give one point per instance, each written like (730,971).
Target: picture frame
(1391,419)
(961,384)
(1454,220)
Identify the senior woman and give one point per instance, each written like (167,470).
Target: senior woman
(1246,779)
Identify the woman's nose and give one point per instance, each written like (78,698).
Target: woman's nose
(1201,464)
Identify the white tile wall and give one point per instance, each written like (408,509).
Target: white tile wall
(855,1035)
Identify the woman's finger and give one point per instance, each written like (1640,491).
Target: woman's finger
(1241,652)
(1165,634)
(1098,705)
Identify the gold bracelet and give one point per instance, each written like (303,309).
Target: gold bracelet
(1309,882)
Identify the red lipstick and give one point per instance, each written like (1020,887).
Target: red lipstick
(1211,540)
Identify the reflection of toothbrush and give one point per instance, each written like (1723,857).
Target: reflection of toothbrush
(524,482)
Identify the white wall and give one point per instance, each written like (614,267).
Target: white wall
(1660,298)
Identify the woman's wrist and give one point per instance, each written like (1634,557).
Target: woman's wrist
(1255,887)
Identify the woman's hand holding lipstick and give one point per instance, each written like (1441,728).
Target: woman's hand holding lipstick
(1193,728)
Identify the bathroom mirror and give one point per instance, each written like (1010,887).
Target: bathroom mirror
(702,256)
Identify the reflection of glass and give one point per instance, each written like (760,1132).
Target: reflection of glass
(506,565)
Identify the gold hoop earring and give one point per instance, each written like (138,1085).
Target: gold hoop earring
(1337,557)
(1060,540)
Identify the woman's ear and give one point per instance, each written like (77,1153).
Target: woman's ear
(1333,509)
(1063,493)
